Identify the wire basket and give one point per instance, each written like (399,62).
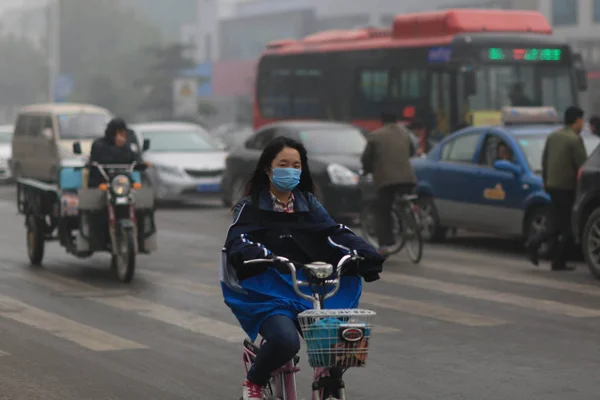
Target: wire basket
(336,338)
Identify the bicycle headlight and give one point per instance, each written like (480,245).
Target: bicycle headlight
(120,185)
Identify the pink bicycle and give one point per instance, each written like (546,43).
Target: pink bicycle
(336,339)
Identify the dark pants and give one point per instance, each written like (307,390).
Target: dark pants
(282,343)
(559,229)
(385,199)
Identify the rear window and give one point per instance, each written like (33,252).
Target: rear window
(335,141)
(82,125)
(533,147)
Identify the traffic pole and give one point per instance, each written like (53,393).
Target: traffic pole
(54,47)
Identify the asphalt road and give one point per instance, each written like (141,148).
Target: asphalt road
(473,321)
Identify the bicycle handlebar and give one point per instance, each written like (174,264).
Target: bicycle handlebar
(312,269)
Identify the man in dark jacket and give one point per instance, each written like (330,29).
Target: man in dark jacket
(387,156)
(113,148)
(564,153)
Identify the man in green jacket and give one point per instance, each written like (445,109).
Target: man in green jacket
(564,153)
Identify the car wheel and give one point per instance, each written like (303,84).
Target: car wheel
(537,222)
(590,241)
(431,230)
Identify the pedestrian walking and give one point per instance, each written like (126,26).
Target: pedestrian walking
(564,153)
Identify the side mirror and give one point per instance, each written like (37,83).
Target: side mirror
(470,82)
(146,145)
(507,166)
(77,148)
(580,73)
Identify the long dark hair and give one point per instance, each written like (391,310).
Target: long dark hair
(260,181)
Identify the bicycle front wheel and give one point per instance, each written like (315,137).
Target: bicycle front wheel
(413,239)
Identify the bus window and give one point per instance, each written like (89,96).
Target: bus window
(308,94)
(379,89)
(275,93)
(522,85)
(556,88)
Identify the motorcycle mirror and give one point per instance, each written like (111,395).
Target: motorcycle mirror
(146,144)
(77,148)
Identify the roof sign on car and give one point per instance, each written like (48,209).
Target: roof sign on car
(529,115)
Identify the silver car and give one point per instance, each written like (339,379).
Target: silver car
(6,134)
(186,162)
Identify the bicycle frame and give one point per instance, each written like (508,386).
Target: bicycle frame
(284,378)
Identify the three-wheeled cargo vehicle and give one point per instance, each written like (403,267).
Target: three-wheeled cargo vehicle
(115,217)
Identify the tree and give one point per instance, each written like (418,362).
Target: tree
(102,48)
(168,62)
(23,73)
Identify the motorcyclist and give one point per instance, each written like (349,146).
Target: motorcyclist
(281,216)
(112,149)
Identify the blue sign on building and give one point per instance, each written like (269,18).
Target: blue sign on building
(63,86)
(204,74)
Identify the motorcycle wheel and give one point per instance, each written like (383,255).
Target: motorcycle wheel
(124,261)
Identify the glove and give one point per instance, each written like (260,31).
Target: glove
(371,266)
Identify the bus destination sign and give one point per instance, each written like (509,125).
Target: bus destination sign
(522,54)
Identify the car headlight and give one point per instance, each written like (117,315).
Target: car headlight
(120,185)
(165,169)
(340,175)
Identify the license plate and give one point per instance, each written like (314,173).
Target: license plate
(121,200)
(208,188)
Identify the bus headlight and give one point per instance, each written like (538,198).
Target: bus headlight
(340,175)
(120,185)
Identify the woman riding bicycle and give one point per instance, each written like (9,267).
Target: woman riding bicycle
(281,216)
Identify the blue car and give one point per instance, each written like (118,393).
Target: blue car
(465,183)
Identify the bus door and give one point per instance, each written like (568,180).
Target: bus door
(440,96)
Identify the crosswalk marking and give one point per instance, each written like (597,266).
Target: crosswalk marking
(196,288)
(201,289)
(514,277)
(182,319)
(85,336)
(548,306)
(423,309)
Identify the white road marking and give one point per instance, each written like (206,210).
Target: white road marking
(547,306)
(423,309)
(85,336)
(182,319)
(514,277)
(191,287)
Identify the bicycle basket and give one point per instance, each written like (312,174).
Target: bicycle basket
(336,338)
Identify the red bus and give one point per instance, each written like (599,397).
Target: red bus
(446,68)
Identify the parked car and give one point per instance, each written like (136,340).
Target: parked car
(334,151)
(463,184)
(585,218)
(185,161)
(6,134)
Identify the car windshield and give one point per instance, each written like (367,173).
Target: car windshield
(82,125)
(533,147)
(179,141)
(333,141)
(5,136)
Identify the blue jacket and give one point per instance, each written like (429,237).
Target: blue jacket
(256,292)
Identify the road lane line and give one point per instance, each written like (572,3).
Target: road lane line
(423,309)
(85,336)
(416,307)
(3,353)
(515,277)
(194,288)
(182,319)
(547,306)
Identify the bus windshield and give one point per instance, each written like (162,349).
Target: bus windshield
(522,86)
